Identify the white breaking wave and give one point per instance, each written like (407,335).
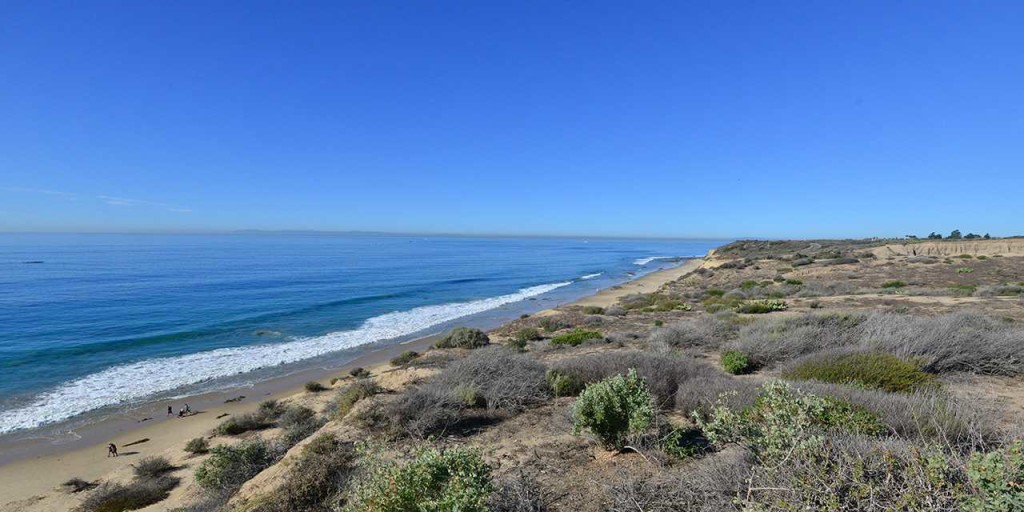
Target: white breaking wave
(591,276)
(644,261)
(134,381)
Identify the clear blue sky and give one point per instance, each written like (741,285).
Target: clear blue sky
(715,118)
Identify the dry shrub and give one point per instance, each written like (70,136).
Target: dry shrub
(495,378)
(152,467)
(518,493)
(701,395)
(961,342)
(705,332)
(664,373)
(770,341)
(140,493)
(317,480)
(711,484)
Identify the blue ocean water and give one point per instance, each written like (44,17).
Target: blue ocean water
(97,321)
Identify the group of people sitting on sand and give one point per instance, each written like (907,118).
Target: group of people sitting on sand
(184,411)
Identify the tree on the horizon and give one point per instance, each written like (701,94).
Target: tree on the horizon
(934,236)
(971,236)
(987,237)
(955,235)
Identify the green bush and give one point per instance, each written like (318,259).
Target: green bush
(463,337)
(658,323)
(758,307)
(457,479)
(228,467)
(404,358)
(964,270)
(575,337)
(794,282)
(243,423)
(564,383)
(525,335)
(736,362)
(348,396)
(652,302)
(964,290)
(198,445)
(893,284)
(315,387)
(782,420)
(998,477)
(593,310)
(877,370)
(614,408)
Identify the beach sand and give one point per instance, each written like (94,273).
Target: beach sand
(31,480)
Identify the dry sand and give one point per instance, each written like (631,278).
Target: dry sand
(33,482)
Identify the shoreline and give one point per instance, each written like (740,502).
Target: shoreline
(37,466)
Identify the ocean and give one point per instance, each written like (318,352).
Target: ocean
(92,323)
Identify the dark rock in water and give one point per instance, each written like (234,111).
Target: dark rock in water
(32,262)
(266,332)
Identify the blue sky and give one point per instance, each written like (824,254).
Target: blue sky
(772,119)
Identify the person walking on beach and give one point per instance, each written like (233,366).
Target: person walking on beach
(111,450)
(170,410)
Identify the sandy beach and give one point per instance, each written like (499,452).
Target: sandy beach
(32,472)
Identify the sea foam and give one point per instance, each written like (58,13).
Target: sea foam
(644,261)
(135,381)
(591,276)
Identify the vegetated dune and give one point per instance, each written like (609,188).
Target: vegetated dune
(1011,246)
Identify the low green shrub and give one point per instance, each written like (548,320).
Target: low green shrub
(998,477)
(457,479)
(315,387)
(784,419)
(359,372)
(243,423)
(404,358)
(964,270)
(575,337)
(736,362)
(228,467)
(197,446)
(564,383)
(593,310)
(527,334)
(298,423)
(965,256)
(658,323)
(877,370)
(348,396)
(614,408)
(652,302)
(964,290)
(463,337)
(894,284)
(758,307)
(794,282)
